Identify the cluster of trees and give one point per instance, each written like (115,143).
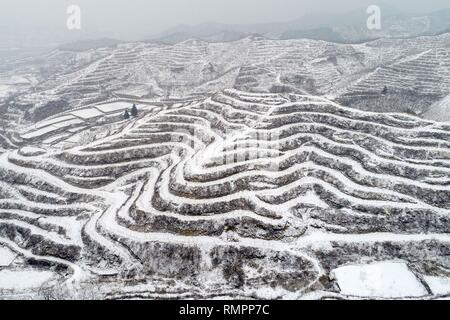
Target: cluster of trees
(132,113)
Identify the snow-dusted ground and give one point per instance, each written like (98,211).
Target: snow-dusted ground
(88,113)
(114,107)
(23,279)
(440,111)
(378,280)
(5,90)
(154,184)
(196,68)
(6,257)
(438,285)
(46,123)
(231,193)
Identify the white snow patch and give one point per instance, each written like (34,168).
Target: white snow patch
(311,198)
(68,123)
(263,185)
(438,285)
(38,133)
(42,130)
(46,123)
(5,90)
(55,138)
(6,257)
(383,280)
(31,151)
(23,279)
(439,111)
(87,113)
(269,293)
(113,107)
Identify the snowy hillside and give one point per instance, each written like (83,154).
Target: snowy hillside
(238,194)
(415,73)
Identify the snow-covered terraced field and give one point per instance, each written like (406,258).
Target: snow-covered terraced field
(427,73)
(243,194)
(68,125)
(415,71)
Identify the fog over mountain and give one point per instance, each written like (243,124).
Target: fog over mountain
(43,22)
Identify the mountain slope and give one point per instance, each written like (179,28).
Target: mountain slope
(354,75)
(260,190)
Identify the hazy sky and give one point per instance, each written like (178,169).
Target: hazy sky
(137,19)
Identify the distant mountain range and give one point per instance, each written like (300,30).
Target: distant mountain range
(349,28)
(346,28)
(89,44)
